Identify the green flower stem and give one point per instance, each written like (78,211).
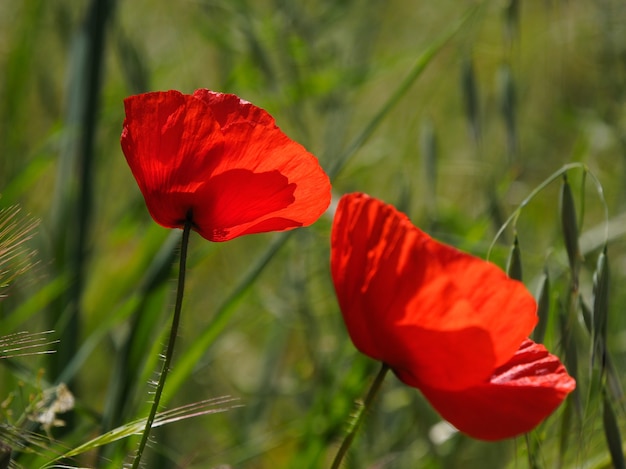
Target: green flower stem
(169,352)
(358,418)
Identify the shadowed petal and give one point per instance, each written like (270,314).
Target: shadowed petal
(239,199)
(517,397)
(267,149)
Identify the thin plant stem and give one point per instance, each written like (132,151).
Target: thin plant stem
(360,415)
(169,352)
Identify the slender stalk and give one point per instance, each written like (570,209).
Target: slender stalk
(169,352)
(358,419)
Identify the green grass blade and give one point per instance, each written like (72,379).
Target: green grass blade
(17,76)
(543,308)
(73,202)
(514,262)
(508,108)
(210,406)
(600,290)
(35,304)
(430,157)
(612,433)
(569,225)
(470,99)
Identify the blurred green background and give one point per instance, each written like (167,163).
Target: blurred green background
(457,135)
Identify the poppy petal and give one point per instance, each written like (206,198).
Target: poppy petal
(167,139)
(519,395)
(264,150)
(435,315)
(229,109)
(239,199)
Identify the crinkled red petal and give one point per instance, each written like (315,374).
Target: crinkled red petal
(221,160)
(170,141)
(437,316)
(518,396)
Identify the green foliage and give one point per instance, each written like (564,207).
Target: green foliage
(461,118)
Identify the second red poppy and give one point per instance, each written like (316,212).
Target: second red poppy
(447,323)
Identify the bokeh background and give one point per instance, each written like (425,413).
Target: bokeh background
(454,111)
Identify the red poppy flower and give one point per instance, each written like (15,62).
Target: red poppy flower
(450,324)
(220,162)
